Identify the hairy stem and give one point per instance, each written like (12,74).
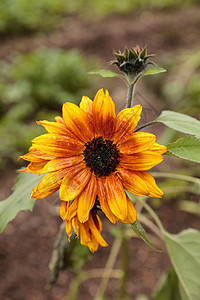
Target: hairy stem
(130,96)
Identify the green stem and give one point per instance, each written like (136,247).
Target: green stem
(176,176)
(152,213)
(145,125)
(125,265)
(57,258)
(131,89)
(146,221)
(109,267)
(86,275)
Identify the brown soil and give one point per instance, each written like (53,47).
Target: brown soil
(27,242)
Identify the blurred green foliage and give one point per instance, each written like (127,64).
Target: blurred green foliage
(24,15)
(34,86)
(180,88)
(105,7)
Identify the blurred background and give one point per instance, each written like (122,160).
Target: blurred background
(47,47)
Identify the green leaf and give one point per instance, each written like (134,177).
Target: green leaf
(186,148)
(104,73)
(139,230)
(180,122)
(154,71)
(184,253)
(19,200)
(168,287)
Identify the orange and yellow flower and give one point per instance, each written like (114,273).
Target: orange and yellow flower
(91,155)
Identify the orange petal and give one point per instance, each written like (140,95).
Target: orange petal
(96,232)
(59,119)
(55,127)
(158,148)
(34,167)
(69,229)
(49,184)
(127,120)
(61,163)
(86,105)
(103,110)
(137,142)
(58,145)
(36,156)
(104,202)
(132,214)
(74,182)
(78,122)
(154,190)
(85,233)
(140,161)
(75,225)
(63,209)
(115,196)
(132,182)
(86,199)
(72,210)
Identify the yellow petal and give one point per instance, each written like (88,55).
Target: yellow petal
(36,156)
(132,182)
(86,105)
(154,190)
(127,120)
(61,163)
(115,196)
(78,122)
(75,225)
(132,214)
(69,229)
(103,110)
(104,202)
(96,232)
(85,233)
(72,210)
(49,184)
(137,142)
(74,182)
(55,127)
(34,167)
(86,199)
(140,161)
(59,119)
(63,209)
(58,145)
(158,148)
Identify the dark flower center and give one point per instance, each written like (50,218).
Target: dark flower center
(101,156)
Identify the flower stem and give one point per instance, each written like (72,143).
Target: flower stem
(145,125)
(86,275)
(130,96)
(125,264)
(57,258)
(152,213)
(109,267)
(176,176)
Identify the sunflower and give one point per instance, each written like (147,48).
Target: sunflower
(92,156)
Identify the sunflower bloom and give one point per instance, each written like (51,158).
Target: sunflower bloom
(92,156)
